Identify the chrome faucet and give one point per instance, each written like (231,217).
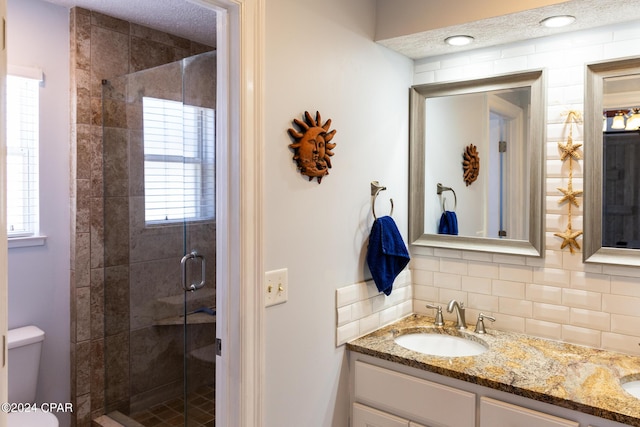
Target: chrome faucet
(459,308)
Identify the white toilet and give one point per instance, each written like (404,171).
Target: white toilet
(24,346)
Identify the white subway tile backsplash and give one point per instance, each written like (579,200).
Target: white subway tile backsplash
(477,256)
(518,50)
(478,285)
(482,302)
(625,286)
(622,343)
(450,74)
(445,280)
(622,49)
(626,31)
(622,324)
(453,61)
(360,308)
(551,312)
(504,322)
(487,270)
(587,281)
(582,336)
(427,263)
(510,259)
(543,329)
(349,294)
(508,289)
(343,315)
(515,307)
(422,66)
(551,276)
(369,324)
(518,273)
(454,266)
(425,293)
(447,253)
(422,277)
(590,319)
(581,299)
(447,295)
(512,64)
(347,333)
(544,293)
(620,304)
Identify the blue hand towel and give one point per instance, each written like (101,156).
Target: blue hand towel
(386,255)
(448,223)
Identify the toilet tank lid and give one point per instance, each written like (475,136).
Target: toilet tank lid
(24,336)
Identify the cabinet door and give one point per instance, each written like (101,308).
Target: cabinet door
(363,416)
(496,413)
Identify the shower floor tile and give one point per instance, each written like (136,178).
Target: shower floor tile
(201,411)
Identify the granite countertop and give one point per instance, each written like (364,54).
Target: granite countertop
(581,378)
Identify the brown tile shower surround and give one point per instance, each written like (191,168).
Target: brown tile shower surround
(102,47)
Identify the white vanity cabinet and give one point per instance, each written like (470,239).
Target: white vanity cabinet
(387,394)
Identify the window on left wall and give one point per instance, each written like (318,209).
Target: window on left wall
(23,218)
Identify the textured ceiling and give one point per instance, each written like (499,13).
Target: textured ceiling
(187,19)
(178,17)
(515,27)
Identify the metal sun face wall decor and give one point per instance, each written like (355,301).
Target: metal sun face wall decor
(312,146)
(470,164)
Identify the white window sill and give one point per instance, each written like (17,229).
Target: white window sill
(25,242)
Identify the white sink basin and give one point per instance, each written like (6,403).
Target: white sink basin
(633,388)
(440,345)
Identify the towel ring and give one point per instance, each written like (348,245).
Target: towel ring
(375,189)
(440,189)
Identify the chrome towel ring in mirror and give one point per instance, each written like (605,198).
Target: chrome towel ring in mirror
(375,189)
(440,189)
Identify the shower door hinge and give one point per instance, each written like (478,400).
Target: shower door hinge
(502,146)
(218,347)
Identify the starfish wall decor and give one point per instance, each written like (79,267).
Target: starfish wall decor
(569,151)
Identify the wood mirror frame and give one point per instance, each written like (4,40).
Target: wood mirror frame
(534,246)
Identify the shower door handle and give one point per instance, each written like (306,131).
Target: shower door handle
(183,263)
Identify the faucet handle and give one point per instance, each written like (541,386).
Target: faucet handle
(439,320)
(480,324)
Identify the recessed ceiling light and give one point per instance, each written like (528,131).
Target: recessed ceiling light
(458,40)
(558,21)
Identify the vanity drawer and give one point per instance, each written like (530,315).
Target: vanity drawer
(413,398)
(494,412)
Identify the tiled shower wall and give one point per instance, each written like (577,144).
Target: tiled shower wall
(102,47)
(558,297)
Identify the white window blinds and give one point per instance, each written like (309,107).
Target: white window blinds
(178,161)
(22,156)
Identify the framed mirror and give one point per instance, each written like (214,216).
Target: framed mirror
(612,153)
(502,120)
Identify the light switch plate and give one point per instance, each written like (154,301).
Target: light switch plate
(276,287)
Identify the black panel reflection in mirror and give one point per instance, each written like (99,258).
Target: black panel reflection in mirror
(503,118)
(612,159)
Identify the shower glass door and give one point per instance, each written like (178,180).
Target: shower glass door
(159,243)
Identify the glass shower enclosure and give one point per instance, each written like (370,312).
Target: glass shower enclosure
(159,243)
